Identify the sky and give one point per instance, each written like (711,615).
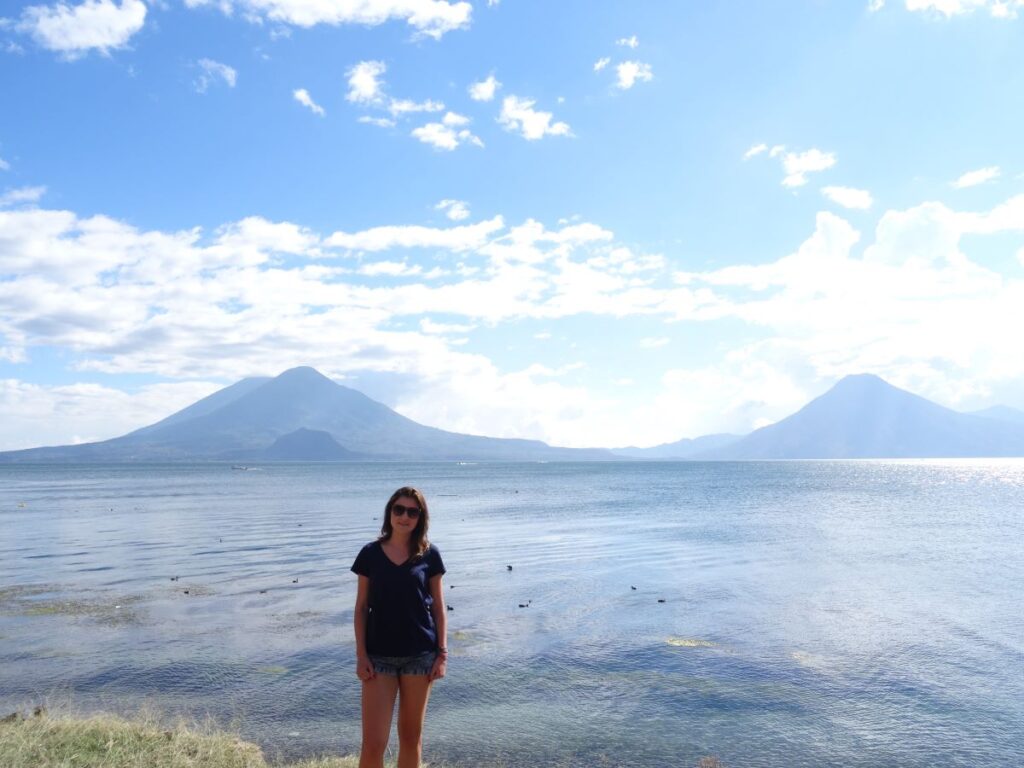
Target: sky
(587,222)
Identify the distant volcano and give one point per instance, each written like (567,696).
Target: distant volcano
(862,416)
(300,414)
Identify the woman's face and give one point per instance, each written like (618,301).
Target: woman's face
(404,522)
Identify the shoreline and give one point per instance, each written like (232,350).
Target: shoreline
(40,739)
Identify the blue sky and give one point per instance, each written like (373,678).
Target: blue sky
(592,223)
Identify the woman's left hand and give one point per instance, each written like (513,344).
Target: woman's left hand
(440,667)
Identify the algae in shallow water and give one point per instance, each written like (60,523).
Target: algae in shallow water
(26,601)
(690,642)
(273,670)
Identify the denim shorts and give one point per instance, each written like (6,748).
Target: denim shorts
(420,664)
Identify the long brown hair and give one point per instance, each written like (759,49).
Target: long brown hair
(418,542)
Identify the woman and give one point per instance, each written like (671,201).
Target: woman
(401,629)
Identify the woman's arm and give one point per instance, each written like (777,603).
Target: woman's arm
(441,625)
(364,667)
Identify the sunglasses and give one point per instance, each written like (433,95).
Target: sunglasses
(400,509)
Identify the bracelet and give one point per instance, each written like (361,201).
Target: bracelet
(442,651)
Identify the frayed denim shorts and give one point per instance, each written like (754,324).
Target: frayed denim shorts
(420,664)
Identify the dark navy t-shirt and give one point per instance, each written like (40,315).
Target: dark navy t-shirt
(399,622)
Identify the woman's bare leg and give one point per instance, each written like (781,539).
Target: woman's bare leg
(412,708)
(378,707)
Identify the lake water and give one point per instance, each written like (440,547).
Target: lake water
(815,613)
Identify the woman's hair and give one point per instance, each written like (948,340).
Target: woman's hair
(418,542)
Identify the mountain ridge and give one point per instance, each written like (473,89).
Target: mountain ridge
(243,420)
(863,416)
(302,415)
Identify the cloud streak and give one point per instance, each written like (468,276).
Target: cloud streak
(302,96)
(429,18)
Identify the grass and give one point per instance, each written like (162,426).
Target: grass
(144,741)
(109,741)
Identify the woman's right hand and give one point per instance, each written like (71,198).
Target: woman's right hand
(364,668)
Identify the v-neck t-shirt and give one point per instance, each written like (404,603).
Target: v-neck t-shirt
(399,622)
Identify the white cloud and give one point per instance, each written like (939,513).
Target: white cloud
(399,107)
(519,115)
(380,122)
(631,72)
(484,90)
(390,269)
(302,96)
(456,239)
(253,240)
(974,178)
(601,63)
(653,342)
(364,82)
(4,165)
(32,415)
(456,210)
(454,119)
(448,134)
(213,71)
(73,31)
(848,197)
(755,150)
(432,18)
(777,150)
(628,42)
(798,164)
(21,195)
(875,5)
(1004,9)
(429,326)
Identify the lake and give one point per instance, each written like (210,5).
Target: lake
(857,613)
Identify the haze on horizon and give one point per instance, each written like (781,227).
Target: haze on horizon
(587,223)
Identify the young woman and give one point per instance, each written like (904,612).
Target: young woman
(401,629)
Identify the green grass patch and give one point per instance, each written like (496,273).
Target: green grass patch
(109,741)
